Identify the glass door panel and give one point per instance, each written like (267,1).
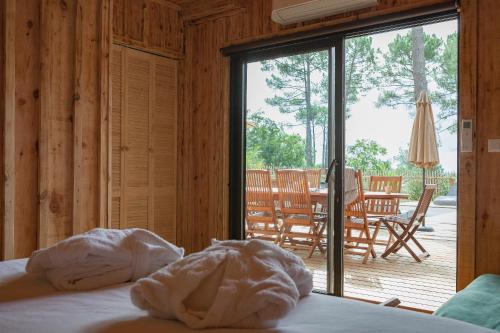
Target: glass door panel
(287,155)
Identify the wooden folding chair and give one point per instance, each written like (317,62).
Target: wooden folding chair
(378,208)
(314,177)
(260,213)
(300,229)
(356,220)
(409,226)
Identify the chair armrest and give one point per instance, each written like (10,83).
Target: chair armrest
(393,302)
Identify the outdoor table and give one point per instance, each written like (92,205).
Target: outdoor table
(321,195)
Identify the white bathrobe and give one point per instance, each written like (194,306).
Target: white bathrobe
(103,257)
(246,284)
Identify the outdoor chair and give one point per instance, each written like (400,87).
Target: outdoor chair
(260,213)
(356,220)
(301,228)
(314,178)
(409,226)
(378,208)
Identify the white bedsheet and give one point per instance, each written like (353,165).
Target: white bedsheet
(30,304)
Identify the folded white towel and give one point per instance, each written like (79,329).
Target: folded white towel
(102,257)
(246,284)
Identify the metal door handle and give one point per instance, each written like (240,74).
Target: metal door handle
(330,170)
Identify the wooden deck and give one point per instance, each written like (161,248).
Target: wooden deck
(425,285)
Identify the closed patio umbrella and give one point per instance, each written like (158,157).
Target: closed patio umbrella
(423,151)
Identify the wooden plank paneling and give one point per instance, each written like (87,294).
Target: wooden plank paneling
(86,116)
(104,165)
(151,25)
(9,131)
(56,90)
(488,127)
(27,122)
(467,161)
(2,124)
(56,136)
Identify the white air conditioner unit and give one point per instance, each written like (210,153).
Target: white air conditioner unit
(293,11)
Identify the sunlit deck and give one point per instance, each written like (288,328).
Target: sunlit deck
(425,285)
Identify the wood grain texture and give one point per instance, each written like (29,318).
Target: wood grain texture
(466,213)
(488,127)
(2,125)
(144,141)
(21,112)
(105,189)
(150,25)
(9,131)
(86,117)
(56,135)
(27,120)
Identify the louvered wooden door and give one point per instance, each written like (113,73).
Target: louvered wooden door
(144,141)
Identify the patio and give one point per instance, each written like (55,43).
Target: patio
(425,285)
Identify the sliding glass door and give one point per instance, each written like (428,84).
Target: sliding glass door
(313,127)
(290,119)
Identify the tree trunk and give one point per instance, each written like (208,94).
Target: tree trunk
(418,59)
(309,117)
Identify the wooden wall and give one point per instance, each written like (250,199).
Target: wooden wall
(54,123)
(488,127)
(52,166)
(2,119)
(150,25)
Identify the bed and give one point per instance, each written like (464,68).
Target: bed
(31,304)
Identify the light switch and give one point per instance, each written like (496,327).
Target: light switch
(466,139)
(494,145)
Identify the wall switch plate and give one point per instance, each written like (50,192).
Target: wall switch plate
(494,146)
(466,136)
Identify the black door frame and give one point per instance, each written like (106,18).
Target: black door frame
(332,40)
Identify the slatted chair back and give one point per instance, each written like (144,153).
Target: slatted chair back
(260,207)
(357,208)
(384,207)
(424,202)
(295,199)
(356,220)
(314,177)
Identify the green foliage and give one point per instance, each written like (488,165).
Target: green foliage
(359,68)
(396,72)
(397,82)
(295,80)
(447,81)
(301,86)
(268,146)
(366,155)
(414,185)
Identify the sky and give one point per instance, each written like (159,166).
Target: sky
(390,128)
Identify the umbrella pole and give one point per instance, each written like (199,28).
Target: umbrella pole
(423,227)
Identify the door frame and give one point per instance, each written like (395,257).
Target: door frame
(334,45)
(303,43)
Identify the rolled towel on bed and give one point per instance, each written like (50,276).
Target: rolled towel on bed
(103,257)
(245,284)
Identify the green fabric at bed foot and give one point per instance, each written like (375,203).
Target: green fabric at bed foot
(477,304)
